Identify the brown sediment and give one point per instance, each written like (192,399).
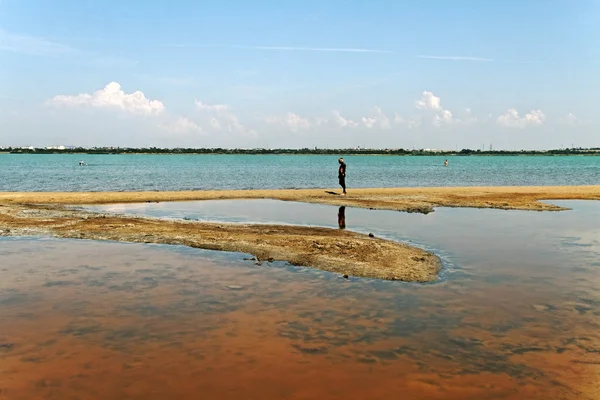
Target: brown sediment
(105,321)
(333,250)
(401,199)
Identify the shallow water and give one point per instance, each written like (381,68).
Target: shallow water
(517,316)
(138,172)
(462,236)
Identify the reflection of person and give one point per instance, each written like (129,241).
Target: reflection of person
(342,175)
(342,217)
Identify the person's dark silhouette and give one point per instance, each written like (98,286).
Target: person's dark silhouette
(342,217)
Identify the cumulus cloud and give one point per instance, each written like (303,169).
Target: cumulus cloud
(443,117)
(231,123)
(428,101)
(211,107)
(112,96)
(379,119)
(432,103)
(290,121)
(343,122)
(294,122)
(220,117)
(512,119)
(182,125)
(368,122)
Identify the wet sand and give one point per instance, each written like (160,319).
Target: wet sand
(333,250)
(422,200)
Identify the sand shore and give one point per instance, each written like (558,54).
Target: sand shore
(401,199)
(334,250)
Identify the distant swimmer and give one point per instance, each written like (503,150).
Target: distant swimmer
(342,175)
(446,163)
(80,163)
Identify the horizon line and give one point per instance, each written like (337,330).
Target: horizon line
(310,149)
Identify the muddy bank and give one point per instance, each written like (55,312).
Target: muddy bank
(332,250)
(402,199)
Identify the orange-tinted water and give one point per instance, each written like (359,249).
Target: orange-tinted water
(92,320)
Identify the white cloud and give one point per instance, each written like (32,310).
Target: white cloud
(428,101)
(431,102)
(432,106)
(443,117)
(512,119)
(230,123)
(211,107)
(368,122)
(289,121)
(343,122)
(382,119)
(182,125)
(379,119)
(222,118)
(31,45)
(112,96)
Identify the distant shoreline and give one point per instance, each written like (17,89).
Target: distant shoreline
(287,152)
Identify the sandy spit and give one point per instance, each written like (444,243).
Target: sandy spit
(334,250)
(402,199)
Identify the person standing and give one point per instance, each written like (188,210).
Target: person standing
(342,175)
(446,163)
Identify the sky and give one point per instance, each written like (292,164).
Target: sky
(438,74)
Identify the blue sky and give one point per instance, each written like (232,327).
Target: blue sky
(436,74)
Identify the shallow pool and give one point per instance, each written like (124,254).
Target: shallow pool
(517,315)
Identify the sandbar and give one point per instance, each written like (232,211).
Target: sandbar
(333,250)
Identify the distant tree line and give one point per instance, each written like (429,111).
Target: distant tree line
(306,151)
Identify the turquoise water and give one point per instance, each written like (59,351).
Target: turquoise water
(56,172)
